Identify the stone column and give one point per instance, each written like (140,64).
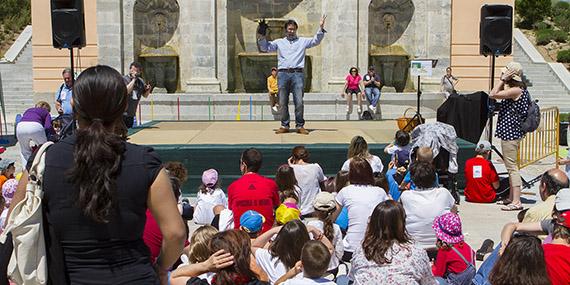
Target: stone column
(340,46)
(222,43)
(362,36)
(200,38)
(109,33)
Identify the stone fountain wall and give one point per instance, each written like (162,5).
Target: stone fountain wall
(211,33)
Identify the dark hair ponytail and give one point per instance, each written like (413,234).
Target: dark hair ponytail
(99,97)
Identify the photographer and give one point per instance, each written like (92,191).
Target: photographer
(136,87)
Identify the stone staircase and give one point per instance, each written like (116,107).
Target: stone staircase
(545,84)
(16,81)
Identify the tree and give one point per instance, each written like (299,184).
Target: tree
(532,11)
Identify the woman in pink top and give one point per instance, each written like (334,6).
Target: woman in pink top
(353,86)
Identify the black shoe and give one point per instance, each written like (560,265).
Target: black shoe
(486,247)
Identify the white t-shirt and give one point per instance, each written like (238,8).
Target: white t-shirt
(271,265)
(308,281)
(374,161)
(422,207)
(3,217)
(360,201)
(336,242)
(205,203)
(308,178)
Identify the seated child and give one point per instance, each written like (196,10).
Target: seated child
(251,222)
(455,261)
(401,143)
(7,170)
(209,195)
(8,190)
(325,205)
(199,251)
(315,257)
(287,212)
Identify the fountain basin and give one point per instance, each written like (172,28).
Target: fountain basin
(392,64)
(255,67)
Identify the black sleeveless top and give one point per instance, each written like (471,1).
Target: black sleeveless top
(96,253)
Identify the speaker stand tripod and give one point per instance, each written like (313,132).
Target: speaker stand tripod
(71,65)
(418,115)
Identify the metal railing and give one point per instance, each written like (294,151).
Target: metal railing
(543,142)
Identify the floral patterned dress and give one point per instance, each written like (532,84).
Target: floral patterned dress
(410,266)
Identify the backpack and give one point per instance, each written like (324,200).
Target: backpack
(531,122)
(367,116)
(28,264)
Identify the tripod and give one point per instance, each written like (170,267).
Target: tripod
(418,115)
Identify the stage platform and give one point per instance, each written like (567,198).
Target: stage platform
(218,144)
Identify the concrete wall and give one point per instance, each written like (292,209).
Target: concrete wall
(472,69)
(48,62)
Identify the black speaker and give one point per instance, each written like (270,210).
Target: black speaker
(496,30)
(67,24)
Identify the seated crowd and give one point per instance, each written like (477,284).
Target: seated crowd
(111,210)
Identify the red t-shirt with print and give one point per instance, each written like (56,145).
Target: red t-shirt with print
(557,257)
(253,192)
(479,177)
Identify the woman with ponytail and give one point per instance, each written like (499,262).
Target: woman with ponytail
(97,188)
(324,206)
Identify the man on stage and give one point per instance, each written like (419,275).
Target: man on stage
(291,63)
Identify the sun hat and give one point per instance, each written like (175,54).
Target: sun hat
(562,200)
(8,190)
(483,146)
(324,201)
(5,162)
(447,228)
(285,213)
(516,68)
(210,177)
(251,221)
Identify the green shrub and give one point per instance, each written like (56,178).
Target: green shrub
(544,36)
(564,117)
(562,20)
(532,11)
(560,8)
(542,26)
(563,56)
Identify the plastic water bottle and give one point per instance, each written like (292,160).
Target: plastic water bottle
(135,123)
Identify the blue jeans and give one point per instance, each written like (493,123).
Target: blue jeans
(482,276)
(373,95)
(291,82)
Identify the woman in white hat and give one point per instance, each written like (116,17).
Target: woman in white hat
(515,101)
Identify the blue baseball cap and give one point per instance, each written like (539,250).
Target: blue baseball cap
(251,221)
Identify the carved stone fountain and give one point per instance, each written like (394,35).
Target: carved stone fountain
(155,22)
(388,20)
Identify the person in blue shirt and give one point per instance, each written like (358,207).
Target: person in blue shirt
(63,98)
(291,63)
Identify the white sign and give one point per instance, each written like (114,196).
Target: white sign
(421,68)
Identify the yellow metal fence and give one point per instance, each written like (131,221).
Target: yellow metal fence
(543,142)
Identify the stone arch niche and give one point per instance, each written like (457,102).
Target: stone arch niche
(247,67)
(387,22)
(155,23)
